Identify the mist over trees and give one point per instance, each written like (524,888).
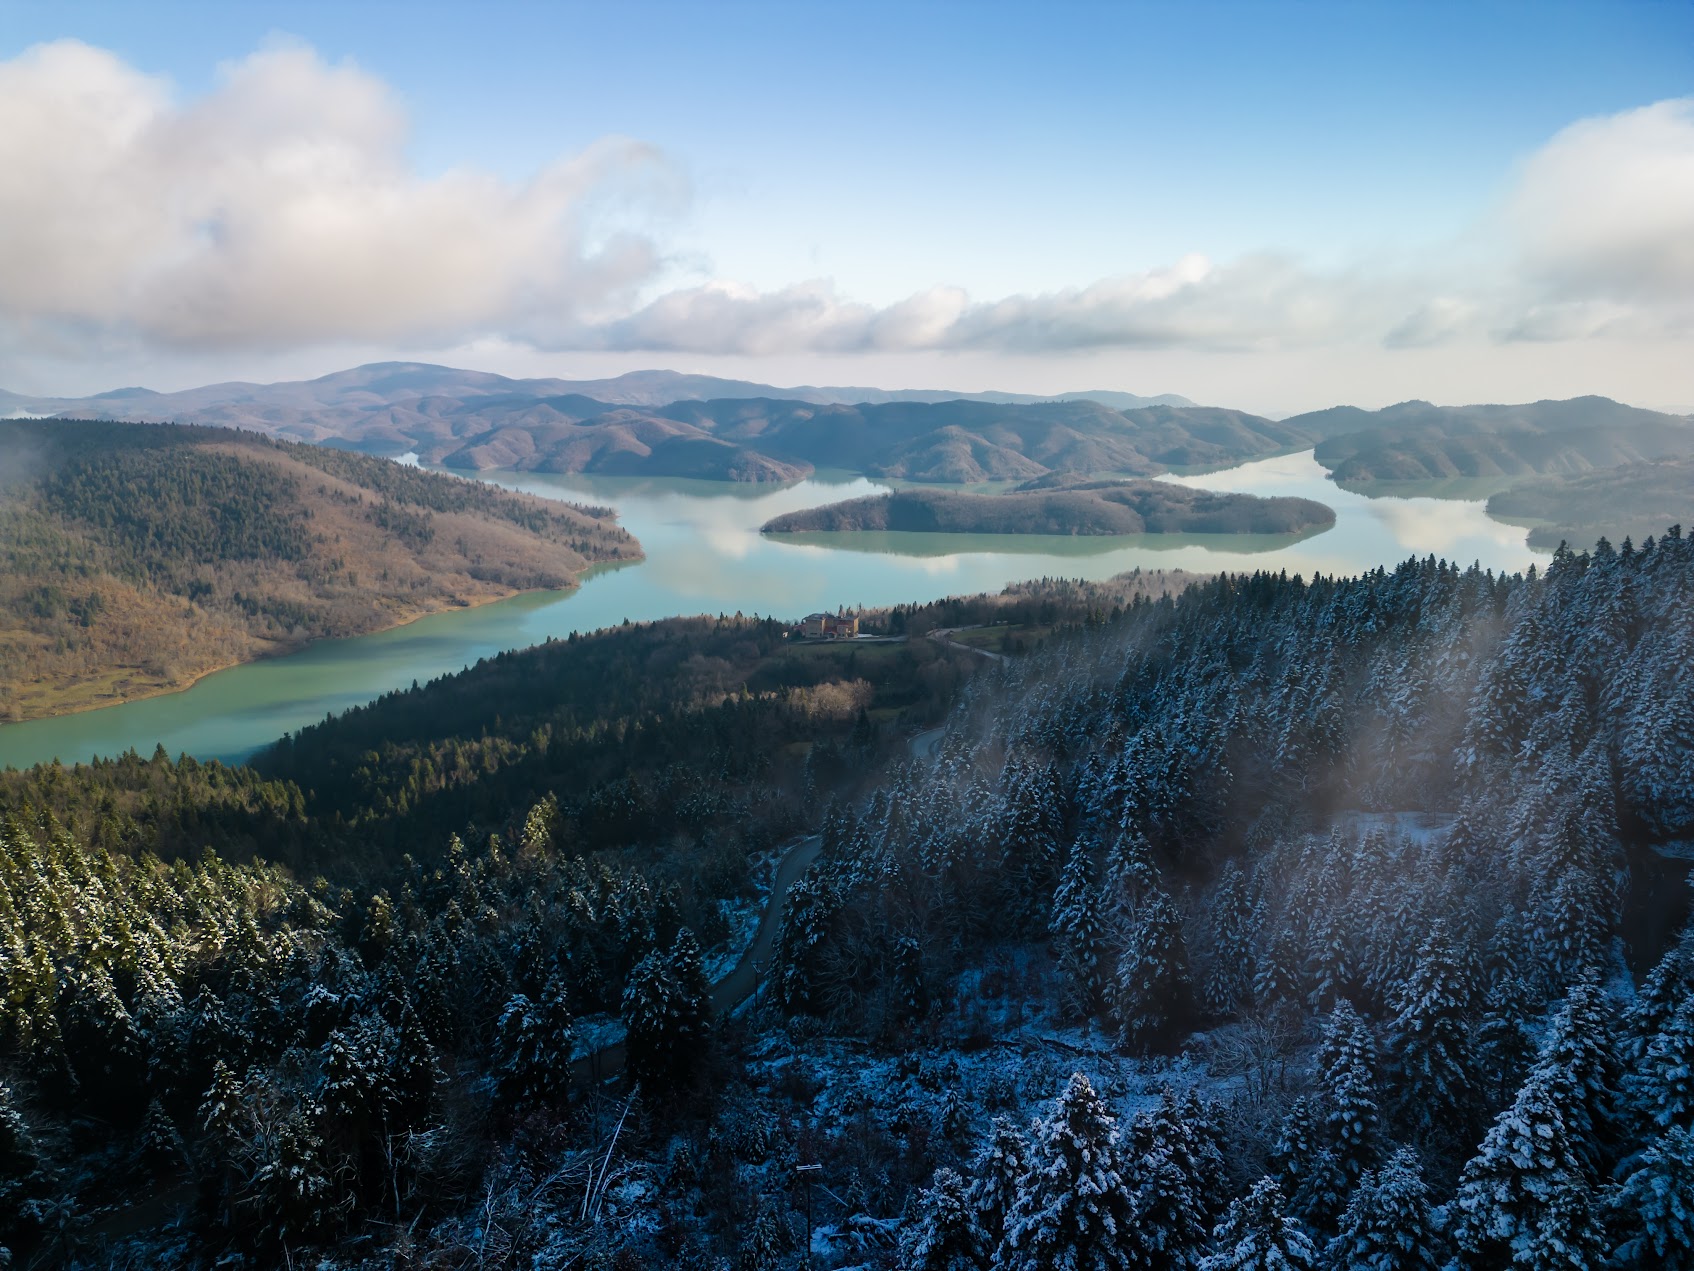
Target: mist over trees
(1279,923)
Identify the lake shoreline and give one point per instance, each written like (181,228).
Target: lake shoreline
(285,649)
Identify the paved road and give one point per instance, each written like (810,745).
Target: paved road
(945,634)
(739,985)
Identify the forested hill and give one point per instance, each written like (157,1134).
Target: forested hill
(134,558)
(1282,923)
(1092,508)
(1631,500)
(1416,441)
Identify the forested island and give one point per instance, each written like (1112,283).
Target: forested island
(135,558)
(1076,507)
(1341,919)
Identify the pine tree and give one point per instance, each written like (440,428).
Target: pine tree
(1077,927)
(1346,1062)
(1259,1235)
(24,1183)
(1074,1208)
(1150,993)
(942,1234)
(518,1052)
(1654,1206)
(1308,1171)
(1521,1174)
(997,1175)
(1433,1032)
(1663,1089)
(761,1248)
(666,1010)
(1387,1224)
(296,1195)
(1176,1169)
(1578,1055)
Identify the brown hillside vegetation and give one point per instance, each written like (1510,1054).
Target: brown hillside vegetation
(135,558)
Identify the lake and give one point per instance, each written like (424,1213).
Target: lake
(705,555)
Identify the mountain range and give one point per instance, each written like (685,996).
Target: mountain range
(667,424)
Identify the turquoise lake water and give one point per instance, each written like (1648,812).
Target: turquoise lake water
(705,555)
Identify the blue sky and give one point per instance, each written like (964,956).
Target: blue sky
(1003,150)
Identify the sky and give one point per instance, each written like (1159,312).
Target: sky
(1270,206)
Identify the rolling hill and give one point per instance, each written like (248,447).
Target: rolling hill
(136,558)
(1415,441)
(1630,501)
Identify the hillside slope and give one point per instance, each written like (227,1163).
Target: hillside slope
(1629,501)
(136,558)
(1415,441)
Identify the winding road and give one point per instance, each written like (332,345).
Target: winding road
(740,984)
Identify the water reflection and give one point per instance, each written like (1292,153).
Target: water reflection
(705,555)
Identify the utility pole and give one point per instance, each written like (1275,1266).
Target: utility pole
(807,1172)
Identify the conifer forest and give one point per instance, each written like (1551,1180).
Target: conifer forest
(1260,924)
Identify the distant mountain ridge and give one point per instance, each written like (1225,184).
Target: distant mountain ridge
(324,408)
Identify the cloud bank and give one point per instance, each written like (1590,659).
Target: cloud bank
(280,212)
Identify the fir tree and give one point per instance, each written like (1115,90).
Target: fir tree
(997,1174)
(1387,1224)
(1077,928)
(1346,1062)
(1654,1205)
(1074,1208)
(1150,993)
(942,1234)
(1663,1089)
(23,1181)
(1524,1169)
(1259,1235)
(666,1010)
(1433,1041)
(1176,1169)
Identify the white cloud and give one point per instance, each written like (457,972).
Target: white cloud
(1605,210)
(279,210)
(279,213)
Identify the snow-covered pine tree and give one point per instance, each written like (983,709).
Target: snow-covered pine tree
(1077,927)
(1578,1055)
(1347,1080)
(1150,995)
(1525,1167)
(997,1174)
(1662,1090)
(1308,1172)
(941,1234)
(1258,1235)
(1176,1169)
(1654,1205)
(1667,986)
(517,1060)
(667,1012)
(23,1181)
(1433,1033)
(1074,1207)
(1227,985)
(1504,1045)
(1387,1224)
